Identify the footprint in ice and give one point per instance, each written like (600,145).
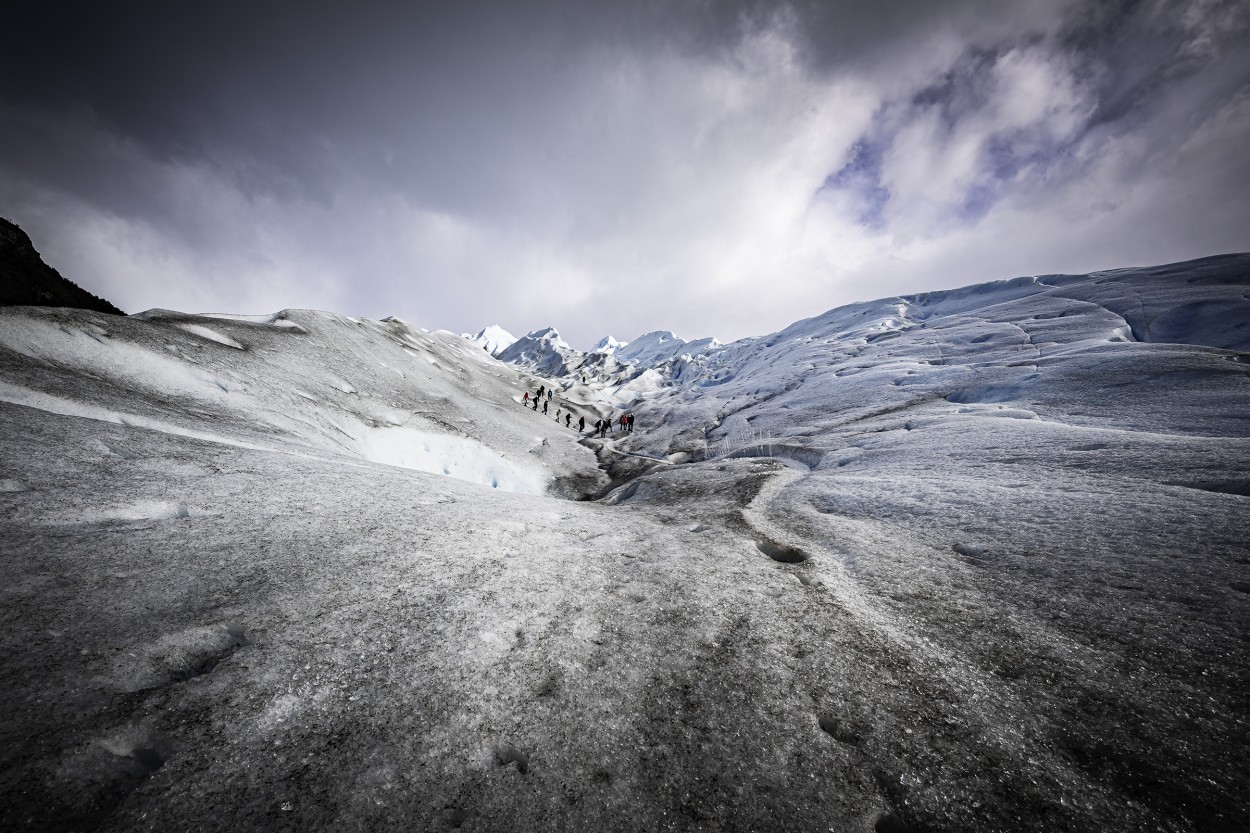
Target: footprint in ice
(143,750)
(840,730)
(890,823)
(506,754)
(177,657)
(782,553)
(454,816)
(549,686)
(974,554)
(106,770)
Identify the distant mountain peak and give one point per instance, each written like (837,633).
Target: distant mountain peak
(607,345)
(550,333)
(493,339)
(543,351)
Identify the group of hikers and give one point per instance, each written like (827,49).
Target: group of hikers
(599,429)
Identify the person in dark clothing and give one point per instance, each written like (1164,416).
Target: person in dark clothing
(541,388)
(581,424)
(535,401)
(603,428)
(545,401)
(549,392)
(629,422)
(568,419)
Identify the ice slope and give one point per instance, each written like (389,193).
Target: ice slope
(1040,485)
(973,560)
(300,382)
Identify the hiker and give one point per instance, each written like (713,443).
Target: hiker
(630,422)
(541,388)
(581,424)
(549,394)
(557,414)
(568,419)
(526,401)
(603,428)
(623,422)
(535,402)
(545,401)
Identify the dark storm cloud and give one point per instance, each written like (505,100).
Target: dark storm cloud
(523,162)
(198,80)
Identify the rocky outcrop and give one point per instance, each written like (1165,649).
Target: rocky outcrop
(25,280)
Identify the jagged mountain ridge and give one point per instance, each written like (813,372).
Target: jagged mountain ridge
(608,362)
(1190,312)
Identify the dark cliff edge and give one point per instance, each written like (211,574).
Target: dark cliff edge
(25,280)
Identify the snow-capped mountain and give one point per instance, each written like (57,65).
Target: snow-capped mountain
(493,339)
(966,560)
(607,345)
(610,363)
(542,352)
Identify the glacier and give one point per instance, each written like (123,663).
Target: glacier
(964,560)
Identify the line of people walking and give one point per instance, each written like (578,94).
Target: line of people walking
(545,395)
(601,427)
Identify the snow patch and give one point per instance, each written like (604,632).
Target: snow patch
(147,510)
(458,457)
(250,319)
(210,334)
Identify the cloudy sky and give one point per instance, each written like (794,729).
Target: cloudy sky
(714,168)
